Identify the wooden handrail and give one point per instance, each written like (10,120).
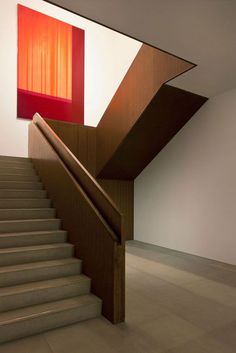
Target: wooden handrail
(93,190)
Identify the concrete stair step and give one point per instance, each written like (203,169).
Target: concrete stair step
(27,213)
(22,194)
(25,185)
(16,159)
(35,319)
(35,253)
(39,271)
(19,177)
(24,203)
(35,293)
(29,225)
(17,170)
(14,240)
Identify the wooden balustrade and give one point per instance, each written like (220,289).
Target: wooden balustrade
(93,222)
(97,195)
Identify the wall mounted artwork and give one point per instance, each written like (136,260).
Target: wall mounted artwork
(50,68)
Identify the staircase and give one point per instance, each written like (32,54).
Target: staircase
(41,285)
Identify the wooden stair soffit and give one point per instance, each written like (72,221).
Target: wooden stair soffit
(144,114)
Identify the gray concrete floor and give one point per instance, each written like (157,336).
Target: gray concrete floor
(176,303)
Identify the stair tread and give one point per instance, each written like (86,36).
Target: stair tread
(13,174)
(35,248)
(17,166)
(28,209)
(21,190)
(20,234)
(22,194)
(30,220)
(46,309)
(24,203)
(30,224)
(22,199)
(19,214)
(22,171)
(20,182)
(16,184)
(19,177)
(50,283)
(40,264)
(16,161)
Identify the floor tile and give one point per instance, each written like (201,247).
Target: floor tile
(168,331)
(34,344)
(226,335)
(215,291)
(204,344)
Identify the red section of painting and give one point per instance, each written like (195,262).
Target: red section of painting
(78,74)
(50,68)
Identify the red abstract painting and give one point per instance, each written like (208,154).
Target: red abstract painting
(50,68)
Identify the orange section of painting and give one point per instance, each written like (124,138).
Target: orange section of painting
(44,54)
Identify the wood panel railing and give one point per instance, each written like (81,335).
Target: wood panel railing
(93,222)
(99,198)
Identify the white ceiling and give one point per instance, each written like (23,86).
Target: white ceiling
(202,31)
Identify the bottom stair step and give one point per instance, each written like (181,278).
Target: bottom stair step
(32,320)
(35,293)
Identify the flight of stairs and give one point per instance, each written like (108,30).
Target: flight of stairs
(41,285)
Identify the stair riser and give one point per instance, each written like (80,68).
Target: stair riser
(23,257)
(13,227)
(21,185)
(44,295)
(22,194)
(19,203)
(27,214)
(51,321)
(39,274)
(21,171)
(15,177)
(27,240)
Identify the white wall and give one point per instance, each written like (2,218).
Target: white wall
(108,56)
(186,198)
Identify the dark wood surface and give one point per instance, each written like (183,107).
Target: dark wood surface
(81,140)
(122,193)
(102,254)
(167,113)
(149,70)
